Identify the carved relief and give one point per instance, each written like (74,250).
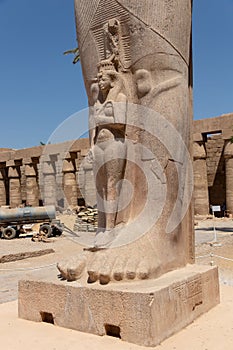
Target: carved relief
(111,33)
(145,84)
(190,292)
(112,43)
(107,121)
(136,51)
(169,19)
(109,145)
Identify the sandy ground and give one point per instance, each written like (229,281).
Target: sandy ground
(220,254)
(213,330)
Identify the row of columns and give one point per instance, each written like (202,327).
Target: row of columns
(77,179)
(11,184)
(71,175)
(201,193)
(42,179)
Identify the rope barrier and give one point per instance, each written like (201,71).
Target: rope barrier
(220,257)
(211,255)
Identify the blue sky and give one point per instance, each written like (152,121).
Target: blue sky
(40,88)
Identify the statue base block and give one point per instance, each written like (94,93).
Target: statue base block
(140,312)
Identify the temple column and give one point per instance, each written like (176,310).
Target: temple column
(201,194)
(89,182)
(2,186)
(69,182)
(32,190)
(80,179)
(228,155)
(48,173)
(14,184)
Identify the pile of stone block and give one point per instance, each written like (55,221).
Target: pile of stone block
(87,220)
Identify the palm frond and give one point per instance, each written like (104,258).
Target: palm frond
(75,52)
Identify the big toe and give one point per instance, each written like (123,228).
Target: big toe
(62,267)
(75,270)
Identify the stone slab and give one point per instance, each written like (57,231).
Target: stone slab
(24,255)
(143,312)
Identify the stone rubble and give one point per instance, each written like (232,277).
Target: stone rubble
(87,219)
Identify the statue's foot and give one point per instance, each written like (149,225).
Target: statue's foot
(136,261)
(72,269)
(104,238)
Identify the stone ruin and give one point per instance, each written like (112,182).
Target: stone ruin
(213,154)
(137,67)
(46,175)
(73,184)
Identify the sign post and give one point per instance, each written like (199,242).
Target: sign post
(215,208)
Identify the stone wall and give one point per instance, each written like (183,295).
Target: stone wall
(216,169)
(62,174)
(213,135)
(43,175)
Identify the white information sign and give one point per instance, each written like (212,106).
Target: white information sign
(216,208)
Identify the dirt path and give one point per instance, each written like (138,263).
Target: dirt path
(38,267)
(220,254)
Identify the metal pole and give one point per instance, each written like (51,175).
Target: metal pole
(215,233)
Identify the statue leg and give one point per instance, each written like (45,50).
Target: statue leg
(154,49)
(112,173)
(100,183)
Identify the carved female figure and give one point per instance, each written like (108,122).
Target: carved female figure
(109,149)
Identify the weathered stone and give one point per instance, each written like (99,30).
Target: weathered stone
(49,183)
(25,255)
(32,191)
(228,153)
(14,187)
(69,182)
(2,187)
(144,313)
(201,195)
(201,128)
(25,161)
(89,189)
(139,56)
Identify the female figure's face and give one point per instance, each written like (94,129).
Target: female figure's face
(104,81)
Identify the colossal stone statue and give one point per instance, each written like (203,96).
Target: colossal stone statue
(136,61)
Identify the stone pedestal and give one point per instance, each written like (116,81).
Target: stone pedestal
(143,312)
